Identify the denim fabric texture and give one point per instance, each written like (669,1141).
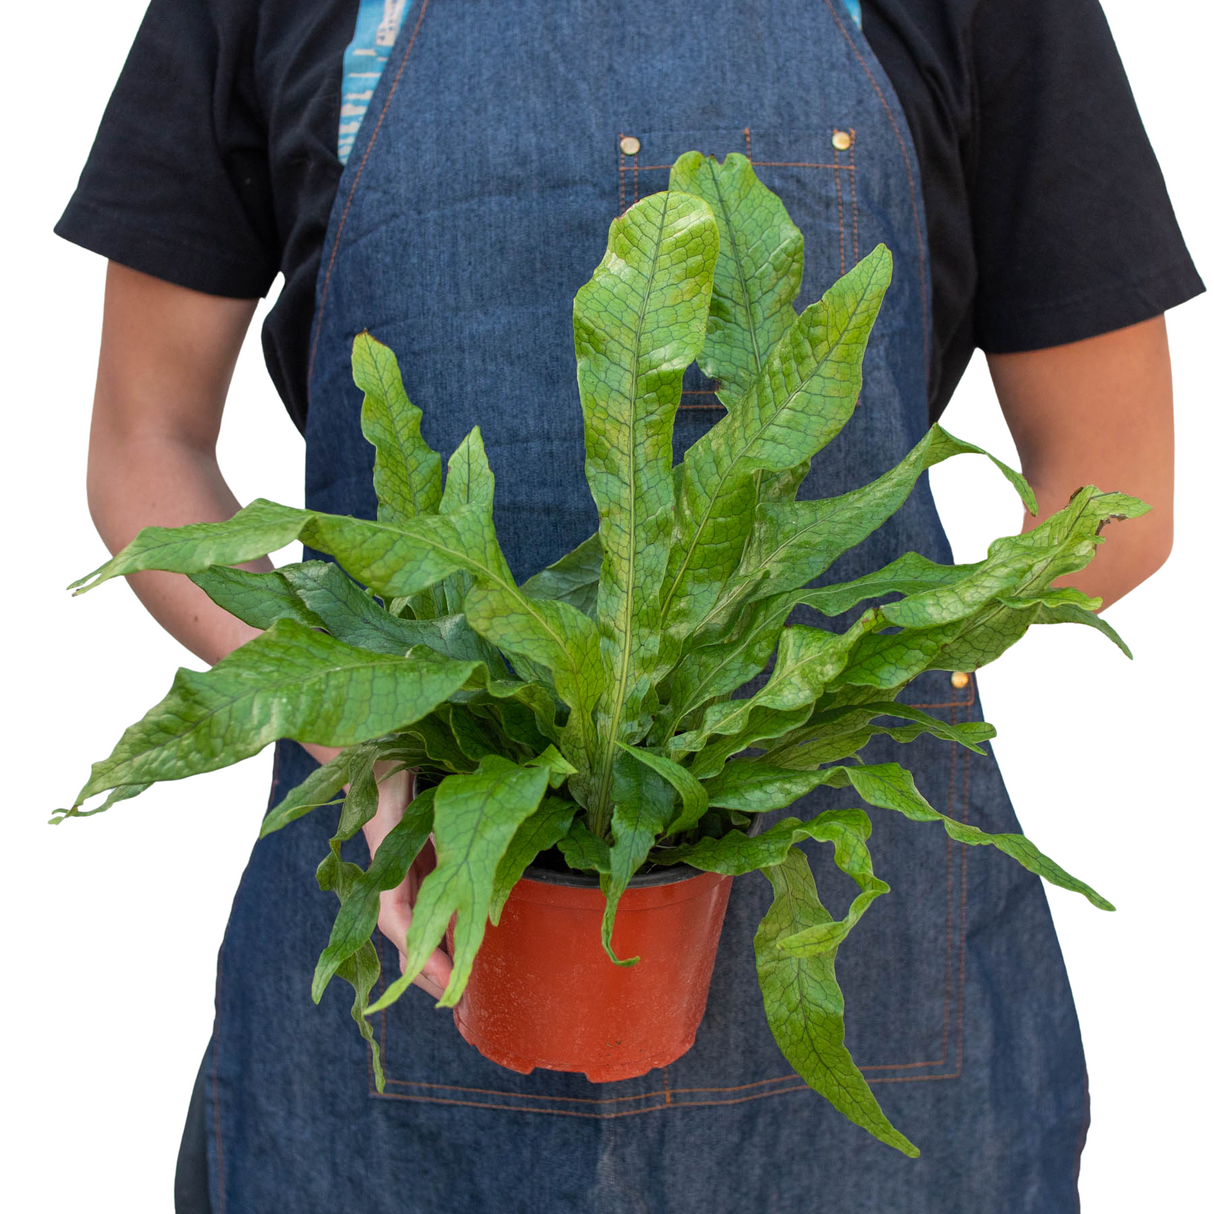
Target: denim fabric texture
(475,202)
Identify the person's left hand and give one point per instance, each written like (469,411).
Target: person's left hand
(396,905)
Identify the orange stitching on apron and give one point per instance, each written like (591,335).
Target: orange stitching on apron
(952,775)
(649,1095)
(798,164)
(906,1066)
(657,1108)
(746,132)
(913,1078)
(362,164)
(948,930)
(910,182)
(855,211)
(839,198)
(623,200)
(966,703)
(453,1087)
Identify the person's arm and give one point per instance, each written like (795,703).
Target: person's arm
(167,356)
(1098,412)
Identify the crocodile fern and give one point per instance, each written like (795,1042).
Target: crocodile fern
(593,708)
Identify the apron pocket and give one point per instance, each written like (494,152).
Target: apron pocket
(901,971)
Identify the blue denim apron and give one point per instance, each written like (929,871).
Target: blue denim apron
(475,203)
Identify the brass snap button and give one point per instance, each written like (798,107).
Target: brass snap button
(629,145)
(960,679)
(841,140)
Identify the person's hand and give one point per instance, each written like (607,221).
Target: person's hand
(396,905)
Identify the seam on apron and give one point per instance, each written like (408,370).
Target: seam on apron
(650,1095)
(795,164)
(362,164)
(968,702)
(623,202)
(855,210)
(656,1108)
(910,181)
(839,200)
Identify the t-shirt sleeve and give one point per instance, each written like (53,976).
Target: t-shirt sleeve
(177,183)
(1073,229)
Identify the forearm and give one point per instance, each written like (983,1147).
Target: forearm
(1131,552)
(166,360)
(142,481)
(137,481)
(1098,412)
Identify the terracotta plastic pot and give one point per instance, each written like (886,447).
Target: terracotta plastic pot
(544,993)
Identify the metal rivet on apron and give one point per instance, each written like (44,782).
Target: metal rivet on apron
(960,679)
(841,140)
(629,145)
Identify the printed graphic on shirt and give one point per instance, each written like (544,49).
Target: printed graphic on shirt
(853,7)
(364,62)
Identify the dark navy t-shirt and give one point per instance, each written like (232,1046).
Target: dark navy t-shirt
(217,161)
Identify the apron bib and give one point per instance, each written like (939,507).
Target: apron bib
(475,202)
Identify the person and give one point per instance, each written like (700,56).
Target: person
(443,174)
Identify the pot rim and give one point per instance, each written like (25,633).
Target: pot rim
(667,875)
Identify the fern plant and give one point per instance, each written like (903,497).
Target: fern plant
(592,708)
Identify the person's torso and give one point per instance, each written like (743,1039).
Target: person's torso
(316,66)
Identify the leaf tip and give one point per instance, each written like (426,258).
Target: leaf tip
(389,997)
(627,963)
(451,994)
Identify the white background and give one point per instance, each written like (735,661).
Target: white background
(112,924)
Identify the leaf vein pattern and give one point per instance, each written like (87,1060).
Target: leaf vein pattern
(724,478)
